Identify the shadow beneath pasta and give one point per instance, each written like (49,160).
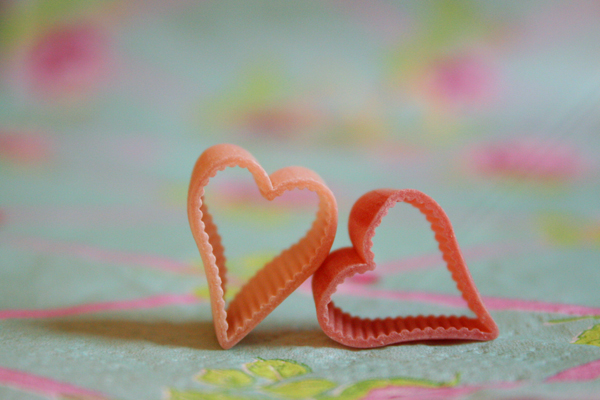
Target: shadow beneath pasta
(313,337)
(195,335)
(438,342)
(316,338)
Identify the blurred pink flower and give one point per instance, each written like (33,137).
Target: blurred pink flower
(279,122)
(68,60)
(526,158)
(24,148)
(465,79)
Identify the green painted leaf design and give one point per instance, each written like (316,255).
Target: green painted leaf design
(359,390)
(572,319)
(174,394)
(230,378)
(301,389)
(276,370)
(591,336)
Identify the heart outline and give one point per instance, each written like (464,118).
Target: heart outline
(274,281)
(365,216)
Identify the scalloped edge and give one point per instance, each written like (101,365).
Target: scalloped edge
(366,215)
(286,271)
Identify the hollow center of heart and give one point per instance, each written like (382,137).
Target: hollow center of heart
(253,229)
(410,277)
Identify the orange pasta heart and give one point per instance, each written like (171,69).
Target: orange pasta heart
(365,216)
(285,272)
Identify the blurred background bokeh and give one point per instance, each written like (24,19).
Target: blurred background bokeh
(401,76)
(492,108)
(489,107)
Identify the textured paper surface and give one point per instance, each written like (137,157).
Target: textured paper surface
(492,111)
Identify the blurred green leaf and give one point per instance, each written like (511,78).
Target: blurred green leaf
(231,378)
(193,395)
(301,389)
(591,336)
(572,319)
(276,370)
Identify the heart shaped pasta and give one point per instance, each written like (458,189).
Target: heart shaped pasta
(285,272)
(366,215)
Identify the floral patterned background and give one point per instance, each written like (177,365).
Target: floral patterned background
(491,108)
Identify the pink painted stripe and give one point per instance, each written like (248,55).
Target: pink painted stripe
(433,260)
(421,393)
(492,303)
(99,254)
(49,387)
(580,373)
(499,303)
(412,392)
(143,303)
